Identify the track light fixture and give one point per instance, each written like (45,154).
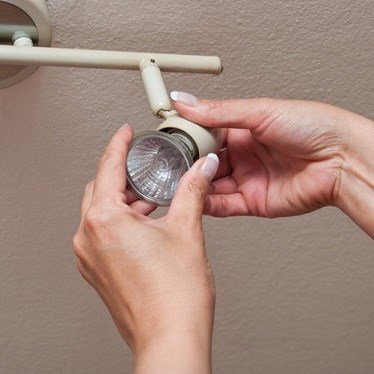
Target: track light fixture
(157,159)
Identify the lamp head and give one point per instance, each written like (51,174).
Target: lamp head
(157,160)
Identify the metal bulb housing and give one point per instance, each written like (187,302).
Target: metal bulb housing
(155,164)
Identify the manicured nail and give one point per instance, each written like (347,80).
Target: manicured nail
(184,98)
(125,127)
(210,166)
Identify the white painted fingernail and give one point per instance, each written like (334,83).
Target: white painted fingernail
(210,166)
(184,98)
(124,126)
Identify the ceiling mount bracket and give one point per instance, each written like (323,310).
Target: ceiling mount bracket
(40,32)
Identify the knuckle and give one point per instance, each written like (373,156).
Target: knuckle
(78,247)
(97,220)
(268,108)
(106,157)
(76,241)
(216,105)
(265,102)
(89,186)
(216,111)
(224,206)
(195,188)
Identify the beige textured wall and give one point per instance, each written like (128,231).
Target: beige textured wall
(294,295)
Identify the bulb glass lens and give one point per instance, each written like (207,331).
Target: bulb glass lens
(155,163)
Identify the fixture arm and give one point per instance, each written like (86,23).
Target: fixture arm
(11,55)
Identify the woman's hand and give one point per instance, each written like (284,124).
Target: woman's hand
(287,157)
(153,275)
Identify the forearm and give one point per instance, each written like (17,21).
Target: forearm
(356,190)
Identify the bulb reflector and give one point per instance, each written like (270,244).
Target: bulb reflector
(155,163)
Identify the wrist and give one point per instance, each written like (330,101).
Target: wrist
(178,350)
(355,195)
(176,339)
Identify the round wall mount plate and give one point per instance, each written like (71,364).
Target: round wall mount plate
(24,13)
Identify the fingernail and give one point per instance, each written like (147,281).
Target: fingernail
(184,98)
(210,166)
(125,127)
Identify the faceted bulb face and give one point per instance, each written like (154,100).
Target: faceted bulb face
(155,164)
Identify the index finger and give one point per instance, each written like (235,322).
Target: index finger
(247,114)
(110,181)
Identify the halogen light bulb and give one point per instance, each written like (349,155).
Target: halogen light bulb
(156,162)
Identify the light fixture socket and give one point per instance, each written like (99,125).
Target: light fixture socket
(206,140)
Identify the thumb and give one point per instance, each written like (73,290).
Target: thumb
(188,202)
(240,113)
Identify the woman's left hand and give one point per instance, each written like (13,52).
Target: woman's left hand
(152,274)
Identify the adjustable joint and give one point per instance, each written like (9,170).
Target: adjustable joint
(155,88)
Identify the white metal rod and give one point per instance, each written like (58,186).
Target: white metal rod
(7,32)
(46,56)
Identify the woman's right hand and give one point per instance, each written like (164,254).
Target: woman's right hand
(288,157)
